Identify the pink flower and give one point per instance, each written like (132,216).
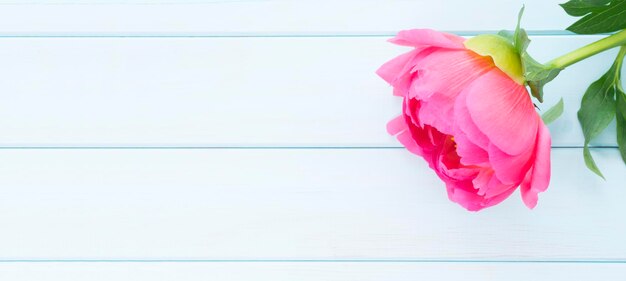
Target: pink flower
(475,126)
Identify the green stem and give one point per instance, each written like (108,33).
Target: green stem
(619,60)
(599,46)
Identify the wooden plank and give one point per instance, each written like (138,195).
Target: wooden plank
(226,91)
(292,204)
(270,17)
(311,271)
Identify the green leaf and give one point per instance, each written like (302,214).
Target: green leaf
(599,16)
(621,122)
(591,164)
(620,104)
(579,8)
(536,75)
(597,110)
(520,36)
(553,113)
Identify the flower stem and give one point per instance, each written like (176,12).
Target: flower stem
(599,46)
(619,60)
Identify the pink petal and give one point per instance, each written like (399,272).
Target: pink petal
(470,192)
(411,108)
(503,111)
(458,192)
(423,141)
(491,201)
(448,72)
(497,188)
(510,169)
(470,153)
(397,71)
(400,72)
(459,173)
(465,125)
(489,186)
(541,169)
(396,125)
(482,180)
(467,199)
(420,141)
(530,199)
(443,75)
(490,189)
(407,141)
(448,166)
(427,138)
(539,180)
(428,37)
(436,112)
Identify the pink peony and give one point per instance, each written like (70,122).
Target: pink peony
(473,123)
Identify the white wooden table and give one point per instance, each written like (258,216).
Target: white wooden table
(245,140)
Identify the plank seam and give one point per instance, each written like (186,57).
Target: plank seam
(259,34)
(235,147)
(306,261)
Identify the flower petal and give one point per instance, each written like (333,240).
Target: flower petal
(539,180)
(399,127)
(465,125)
(427,137)
(448,72)
(423,141)
(510,169)
(400,73)
(409,143)
(470,153)
(491,201)
(488,184)
(396,125)
(503,111)
(443,75)
(458,192)
(436,112)
(397,72)
(541,168)
(497,188)
(428,37)
(482,180)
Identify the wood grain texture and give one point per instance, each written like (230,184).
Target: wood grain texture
(284,75)
(311,271)
(228,91)
(292,204)
(271,17)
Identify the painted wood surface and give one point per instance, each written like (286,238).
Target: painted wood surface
(292,204)
(239,140)
(285,271)
(225,92)
(277,17)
